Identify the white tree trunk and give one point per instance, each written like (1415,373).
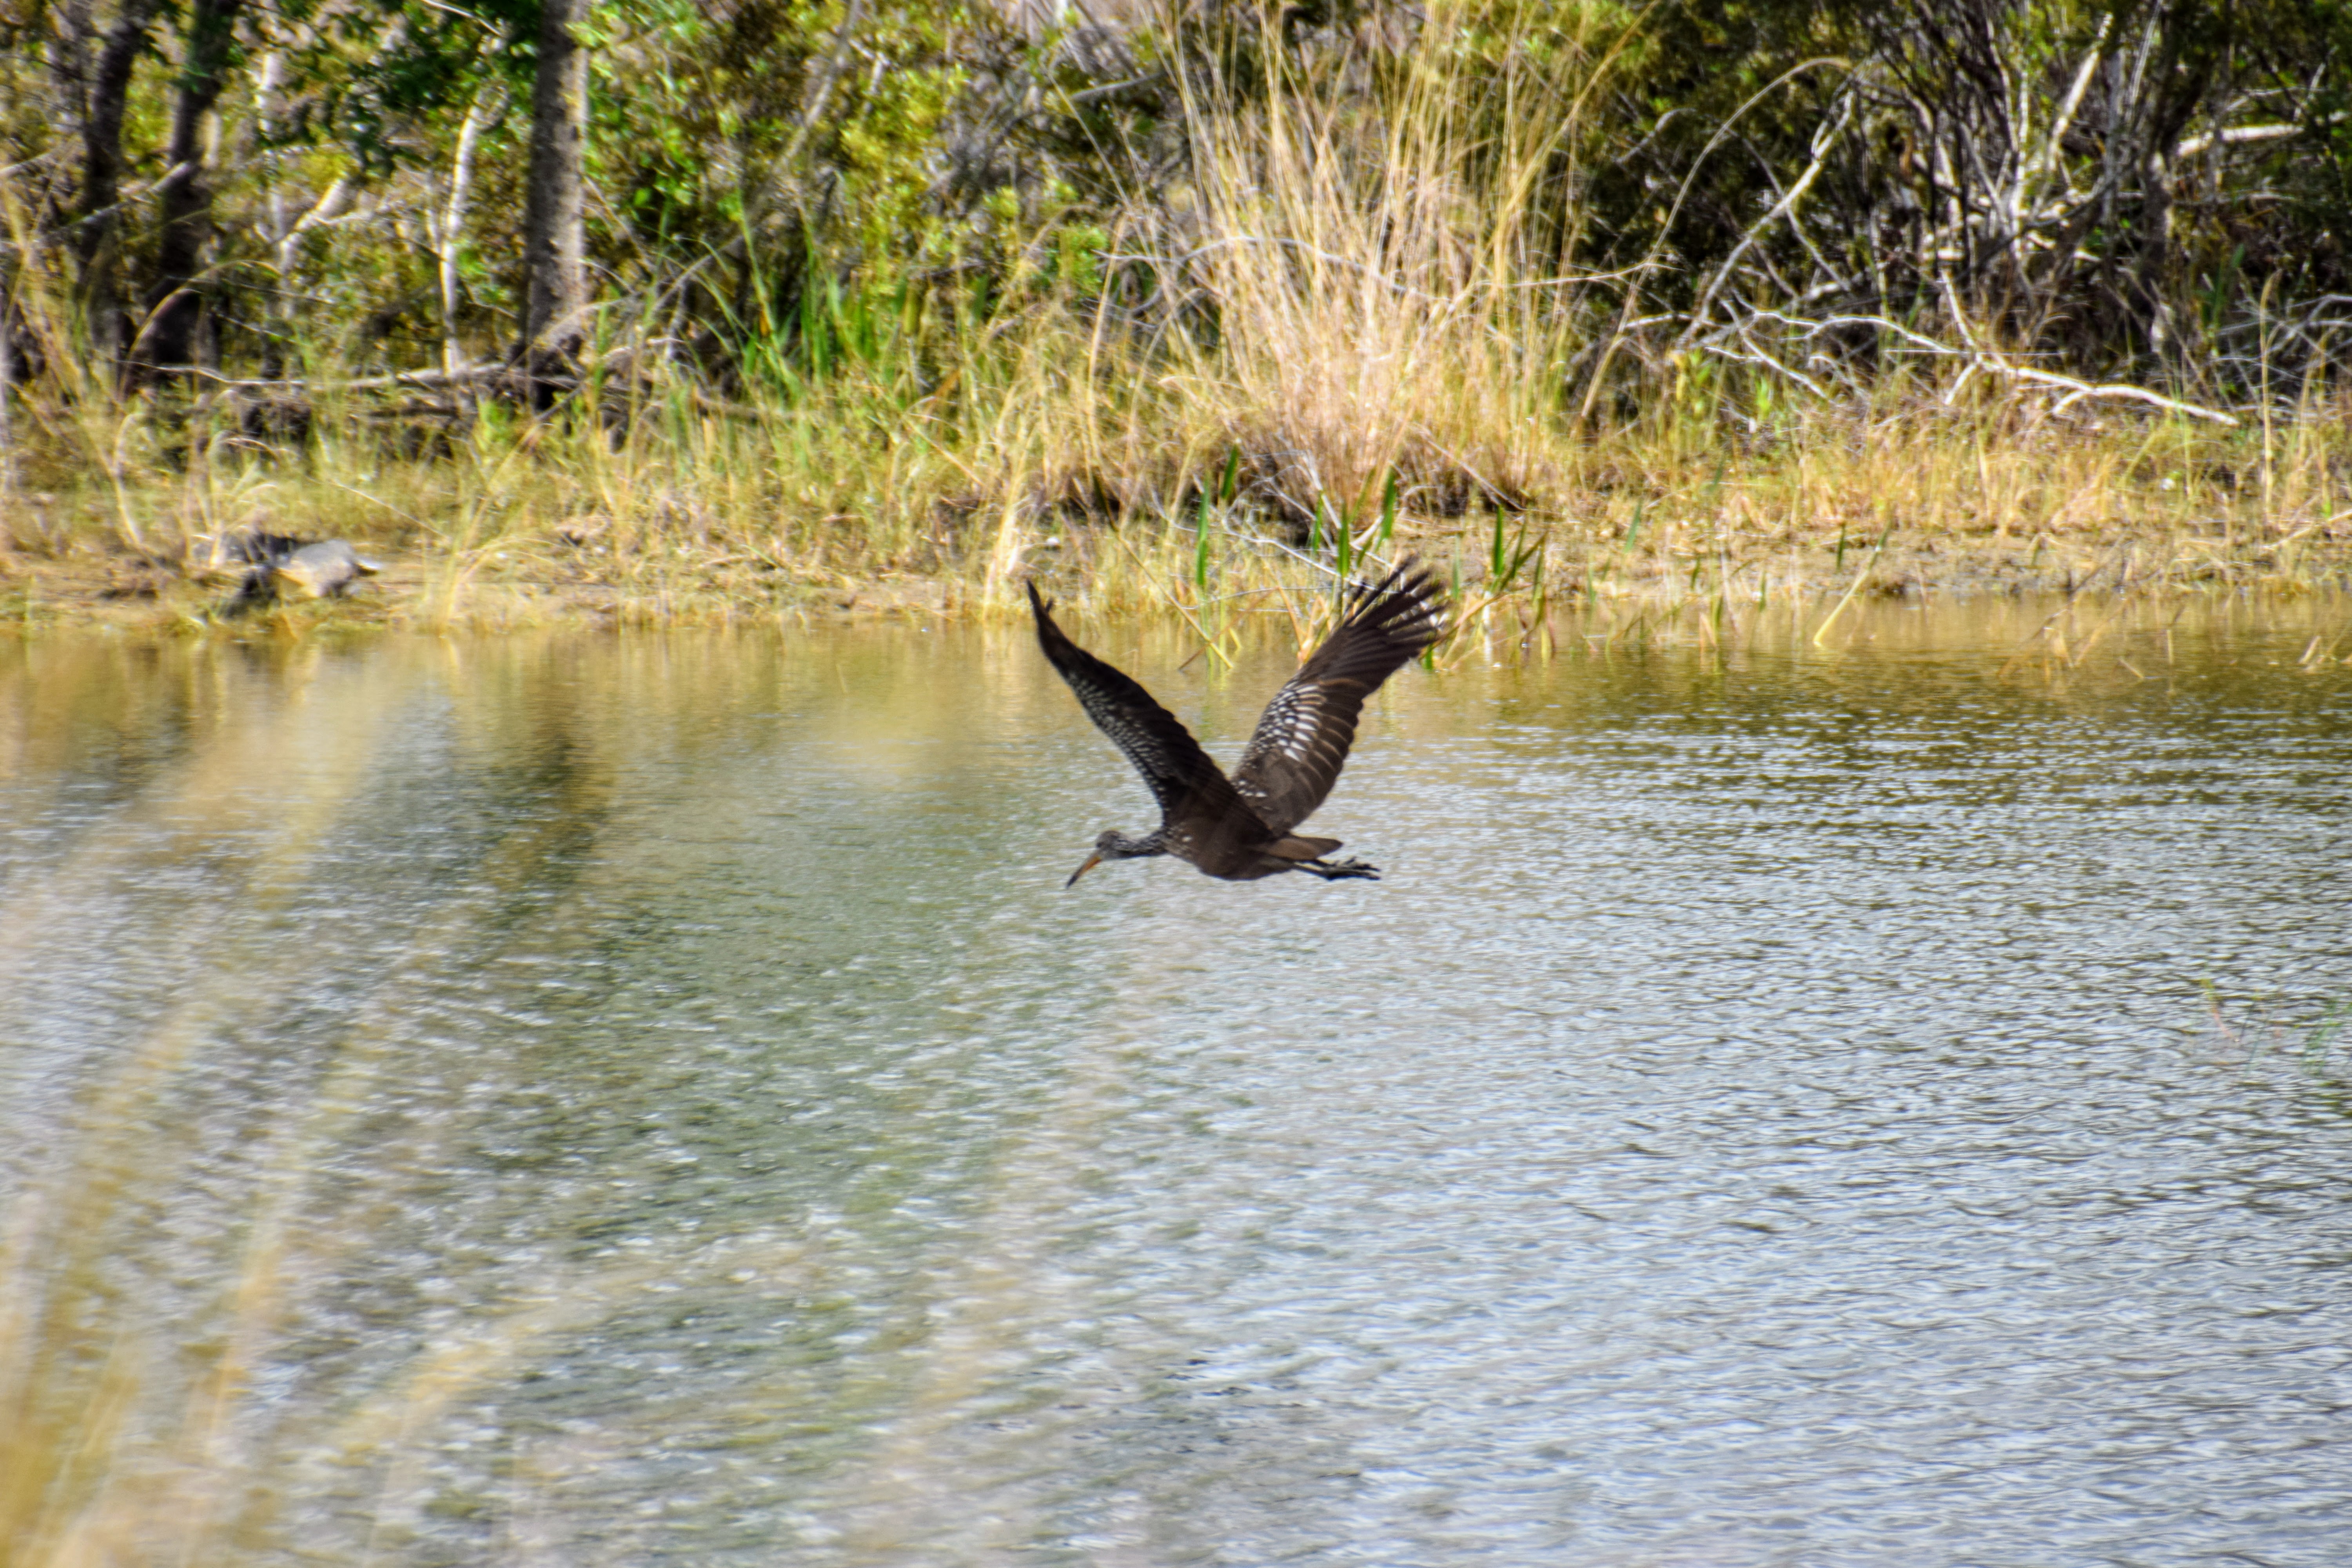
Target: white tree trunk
(483,110)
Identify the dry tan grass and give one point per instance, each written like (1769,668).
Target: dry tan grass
(1390,325)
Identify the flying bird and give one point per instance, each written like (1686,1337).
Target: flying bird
(1239,828)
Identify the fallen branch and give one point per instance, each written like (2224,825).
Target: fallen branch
(488,370)
(482,370)
(2081,389)
(2239,135)
(1982,361)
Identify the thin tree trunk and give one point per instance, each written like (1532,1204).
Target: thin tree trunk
(70,69)
(7,404)
(2156,243)
(98,236)
(279,330)
(555,268)
(286,230)
(479,114)
(168,340)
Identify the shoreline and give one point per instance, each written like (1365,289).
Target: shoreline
(124,593)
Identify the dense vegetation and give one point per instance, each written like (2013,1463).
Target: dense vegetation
(804,289)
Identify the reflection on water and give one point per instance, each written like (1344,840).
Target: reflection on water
(611,1100)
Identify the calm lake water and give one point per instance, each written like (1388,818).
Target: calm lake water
(621,1100)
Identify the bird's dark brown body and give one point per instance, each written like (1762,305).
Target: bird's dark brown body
(1240,828)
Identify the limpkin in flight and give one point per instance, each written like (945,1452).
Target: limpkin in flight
(1239,828)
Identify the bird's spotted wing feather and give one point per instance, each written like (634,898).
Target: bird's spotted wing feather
(1301,743)
(1184,779)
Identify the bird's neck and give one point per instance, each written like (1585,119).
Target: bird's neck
(1152,843)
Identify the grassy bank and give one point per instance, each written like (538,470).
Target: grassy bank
(1337,296)
(1157,499)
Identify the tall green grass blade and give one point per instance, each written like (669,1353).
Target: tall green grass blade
(814,352)
(1200,545)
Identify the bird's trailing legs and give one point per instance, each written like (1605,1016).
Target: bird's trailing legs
(1339,870)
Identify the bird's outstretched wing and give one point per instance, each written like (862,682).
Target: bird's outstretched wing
(1301,743)
(1183,776)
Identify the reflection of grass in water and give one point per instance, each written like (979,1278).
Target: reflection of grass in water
(182,1260)
(2311,1042)
(2320,1039)
(131,1436)
(90,1471)
(134,1424)
(133,1427)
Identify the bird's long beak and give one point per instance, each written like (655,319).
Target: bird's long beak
(1092,861)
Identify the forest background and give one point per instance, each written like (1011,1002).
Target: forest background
(664,310)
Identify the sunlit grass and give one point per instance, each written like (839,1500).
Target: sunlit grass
(1366,343)
(1121,501)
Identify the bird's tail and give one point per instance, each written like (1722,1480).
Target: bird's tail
(1297,847)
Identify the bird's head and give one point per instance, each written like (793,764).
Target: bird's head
(1113,845)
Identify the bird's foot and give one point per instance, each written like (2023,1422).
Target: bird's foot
(1340,870)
